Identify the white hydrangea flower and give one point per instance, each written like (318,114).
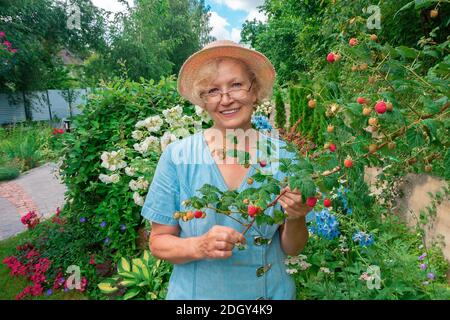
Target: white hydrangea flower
(104,178)
(139,184)
(173,114)
(153,124)
(130,171)
(113,160)
(137,135)
(140,124)
(133,185)
(181,132)
(166,139)
(184,121)
(265,108)
(202,113)
(304,265)
(149,144)
(138,199)
(114,178)
(153,143)
(325,270)
(291,271)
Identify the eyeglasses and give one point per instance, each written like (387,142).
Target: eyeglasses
(215,95)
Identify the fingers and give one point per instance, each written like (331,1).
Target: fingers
(224,246)
(283,204)
(228,235)
(296,191)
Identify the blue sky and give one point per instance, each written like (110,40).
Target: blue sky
(227,16)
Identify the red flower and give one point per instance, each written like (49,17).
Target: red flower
(83,284)
(7,43)
(2,34)
(37,289)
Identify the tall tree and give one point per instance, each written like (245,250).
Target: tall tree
(154,37)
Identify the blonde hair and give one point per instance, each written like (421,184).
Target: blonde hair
(208,71)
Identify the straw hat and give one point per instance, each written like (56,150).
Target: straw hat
(256,61)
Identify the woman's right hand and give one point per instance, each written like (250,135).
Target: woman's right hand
(219,242)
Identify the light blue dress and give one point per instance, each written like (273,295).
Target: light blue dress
(257,272)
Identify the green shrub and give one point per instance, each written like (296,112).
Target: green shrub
(8,173)
(280,110)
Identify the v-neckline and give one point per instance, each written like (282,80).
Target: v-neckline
(217,170)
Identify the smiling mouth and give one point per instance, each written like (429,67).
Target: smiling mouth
(229,112)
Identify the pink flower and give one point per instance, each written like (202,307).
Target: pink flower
(37,278)
(33,253)
(37,289)
(2,34)
(84,283)
(13,50)
(7,43)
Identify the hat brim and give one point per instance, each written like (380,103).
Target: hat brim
(257,62)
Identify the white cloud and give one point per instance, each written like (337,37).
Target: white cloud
(111,5)
(236,35)
(259,16)
(250,6)
(246,5)
(219,28)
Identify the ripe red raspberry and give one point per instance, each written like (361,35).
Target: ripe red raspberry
(198,214)
(348,163)
(327,203)
(361,100)
(380,107)
(263,163)
(311,201)
(331,58)
(253,210)
(353,42)
(332,147)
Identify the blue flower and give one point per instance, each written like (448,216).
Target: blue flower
(363,238)
(49,292)
(326,226)
(106,240)
(123,227)
(82,219)
(261,123)
(103,224)
(341,192)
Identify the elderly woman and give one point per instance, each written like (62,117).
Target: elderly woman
(228,81)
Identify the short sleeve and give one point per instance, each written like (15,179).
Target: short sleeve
(163,196)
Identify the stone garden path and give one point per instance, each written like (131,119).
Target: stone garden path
(39,189)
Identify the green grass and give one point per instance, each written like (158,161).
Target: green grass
(10,286)
(26,145)
(8,173)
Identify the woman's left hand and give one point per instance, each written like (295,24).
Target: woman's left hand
(291,201)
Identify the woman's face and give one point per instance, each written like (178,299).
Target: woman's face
(230,75)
